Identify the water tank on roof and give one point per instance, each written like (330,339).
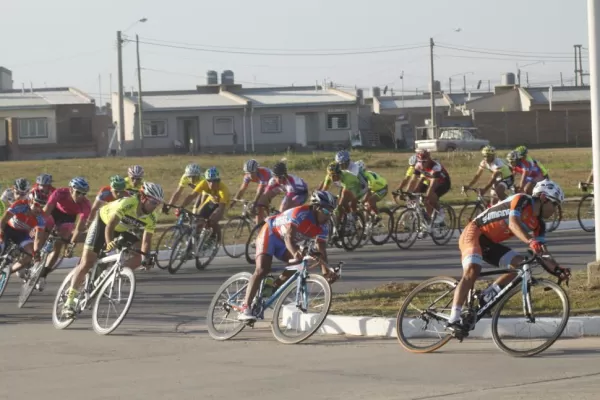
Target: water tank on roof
(227,77)
(212,78)
(437,87)
(508,79)
(359,96)
(375,91)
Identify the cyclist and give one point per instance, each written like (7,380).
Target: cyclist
(377,188)
(502,178)
(523,153)
(123,216)
(213,208)
(439,181)
(519,215)
(530,173)
(135,178)
(422,188)
(107,194)
(21,218)
(253,172)
(280,236)
(44,183)
(351,189)
(343,158)
(295,189)
(18,191)
(66,205)
(190,178)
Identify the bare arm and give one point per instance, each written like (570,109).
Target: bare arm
(110,228)
(147,242)
(476,177)
(176,194)
(289,243)
(495,175)
(95,207)
(514,224)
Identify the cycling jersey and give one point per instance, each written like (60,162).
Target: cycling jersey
(129,186)
(346,181)
(263,175)
(22,219)
(529,170)
(8,196)
(358,172)
(50,190)
(539,165)
(105,194)
(189,181)
(375,181)
(63,204)
(294,185)
(411,171)
(218,195)
(496,165)
(436,171)
(303,219)
(126,209)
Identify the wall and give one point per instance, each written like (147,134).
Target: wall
(3,132)
(508,101)
(48,113)
(64,114)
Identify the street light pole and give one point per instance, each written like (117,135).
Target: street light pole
(140,103)
(121,105)
(433,122)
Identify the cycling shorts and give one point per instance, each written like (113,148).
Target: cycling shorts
(96,238)
(269,244)
(296,198)
(20,238)
(442,188)
(507,182)
(207,208)
(381,193)
(475,248)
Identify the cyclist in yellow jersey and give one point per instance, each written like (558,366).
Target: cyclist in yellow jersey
(410,172)
(134,179)
(502,177)
(118,217)
(213,208)
(190,178)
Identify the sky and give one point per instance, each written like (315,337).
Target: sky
(73,42)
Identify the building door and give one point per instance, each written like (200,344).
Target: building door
(301,130)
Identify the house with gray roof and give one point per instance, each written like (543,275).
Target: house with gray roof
(224,117)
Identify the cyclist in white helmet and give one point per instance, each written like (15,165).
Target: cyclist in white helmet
(190,178)
(134,179)
(253,172)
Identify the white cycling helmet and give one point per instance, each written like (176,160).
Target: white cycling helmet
(412,161)
(550,189)
(250,166)
(135,172)
(153,190)
(192,170)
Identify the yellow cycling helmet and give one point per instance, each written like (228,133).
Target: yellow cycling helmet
(488,151)
(334,168)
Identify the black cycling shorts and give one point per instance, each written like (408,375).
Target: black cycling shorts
(96,239)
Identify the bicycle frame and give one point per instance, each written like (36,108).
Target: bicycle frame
(117,259)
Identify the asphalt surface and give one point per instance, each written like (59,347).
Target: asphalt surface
(162,351)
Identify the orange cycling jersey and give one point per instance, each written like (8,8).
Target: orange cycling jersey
(493,222)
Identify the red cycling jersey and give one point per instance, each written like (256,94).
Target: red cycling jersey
(436,171)
(263,175)
(22,219)
(105,194)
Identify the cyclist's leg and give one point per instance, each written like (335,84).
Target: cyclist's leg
(435,196)
(24,241)
(529,184)
(377,197)
(65,230)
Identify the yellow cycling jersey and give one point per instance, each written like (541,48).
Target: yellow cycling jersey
(497,165)
(126,210)
(189,181)
(375,181)
(220,195)
(411,171)
(130,186)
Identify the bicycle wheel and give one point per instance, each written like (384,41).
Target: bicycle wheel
(547,325)
(4,277)
(165,243)
(209,252)
(441,233)
(305,321)
(61,296)
(468,213)
(230,296)
(382,231)
(556,218)
(250,250)
(180,253)
(112,291)
(585,212)
(235,235)
(407,228)
(34,275)
(440,293)
(352,232)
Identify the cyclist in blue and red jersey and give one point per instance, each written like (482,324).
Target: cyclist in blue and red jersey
(295,189)
(531,172)
(44,183)
(279,237)
(253,172)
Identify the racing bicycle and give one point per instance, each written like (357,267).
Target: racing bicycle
(585,209)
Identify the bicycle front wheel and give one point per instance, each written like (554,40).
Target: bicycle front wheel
(235,235)
(180,253)
(28,286)
(229,297)
(585,213)
(442,232)
(58,320)
(166,243)
(468,213)
(382,231)
(250,251)
(295,320)
(424,318)
(116,291)
(546,325)
(556,218)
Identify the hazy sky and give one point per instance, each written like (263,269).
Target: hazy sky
(72,42)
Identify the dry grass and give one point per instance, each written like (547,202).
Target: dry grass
(385,300)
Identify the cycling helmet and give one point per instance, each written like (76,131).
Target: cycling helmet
(512,156)
(488,151)
(412,161)
(135,171)
(37,196)
(212,174)
(153,190)
(250,166)
(342,156)
(22,185)
(550,189)
(80,184)
(192,170)
(423,155)
(322,198)
(521,151)
(279,169)
(117,182)
(361,165)
(44,179)
(334,168)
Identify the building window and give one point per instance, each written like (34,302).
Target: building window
(338,121)
(155,128)
(33,128)
(270,123)
(80,126)
(223,125)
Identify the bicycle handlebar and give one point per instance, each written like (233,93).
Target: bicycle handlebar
(562,274)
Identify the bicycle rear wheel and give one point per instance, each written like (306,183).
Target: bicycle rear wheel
(468,213)
(441,233)
(548,323)
(352,232)
(585,212)
(112,291)
(179,254)
(166,243)
(235,235)
(207,250)
(228,297)
(435,308)
(288,320)
(250,251)
(28,286)
(382,231)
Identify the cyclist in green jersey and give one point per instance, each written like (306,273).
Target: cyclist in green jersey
(377,188)
(351,188)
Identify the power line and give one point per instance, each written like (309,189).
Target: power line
(566,54)
(501,59)
(533,56)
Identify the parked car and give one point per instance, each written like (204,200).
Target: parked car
(453,139)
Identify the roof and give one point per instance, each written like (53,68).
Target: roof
(420,101)
(187,100)
(560,94)
(462,98)
(281,97)
(42,98)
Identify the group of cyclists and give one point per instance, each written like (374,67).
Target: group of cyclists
(128,207)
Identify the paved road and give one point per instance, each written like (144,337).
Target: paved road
(161,351)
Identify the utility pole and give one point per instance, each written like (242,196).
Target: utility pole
(576,70)
(402,78)
(121,105)
(580,66)
(433,122)
(100,89)
(561,80)
(450,85)
(140,103)
(465,84)
(527,77)
(489,86)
